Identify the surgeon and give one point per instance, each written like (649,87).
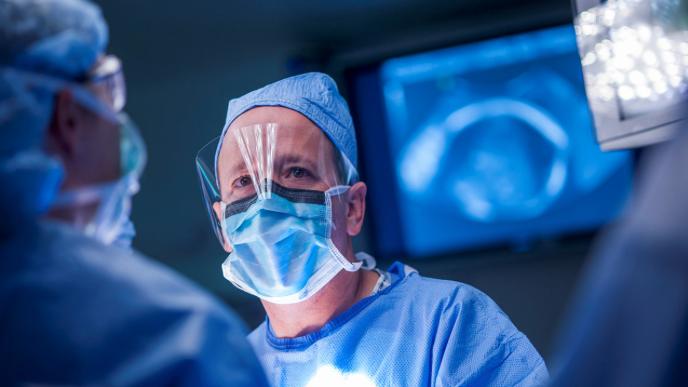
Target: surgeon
(283,193)
(78,306)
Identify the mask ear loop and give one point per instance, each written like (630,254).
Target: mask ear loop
(339,257)
(223,225)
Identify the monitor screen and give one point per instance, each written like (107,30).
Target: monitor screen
(488,143)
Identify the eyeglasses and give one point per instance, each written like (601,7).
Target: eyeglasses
(106,80)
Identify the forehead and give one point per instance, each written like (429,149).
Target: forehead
(295,135)
(278,114)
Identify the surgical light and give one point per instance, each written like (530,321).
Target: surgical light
(634,56)
(624,56)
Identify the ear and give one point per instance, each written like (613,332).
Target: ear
(62,136)
(217,208)
(356,209)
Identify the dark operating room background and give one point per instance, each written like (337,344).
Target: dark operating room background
(184,60)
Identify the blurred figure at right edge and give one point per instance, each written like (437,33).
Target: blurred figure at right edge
(629,324)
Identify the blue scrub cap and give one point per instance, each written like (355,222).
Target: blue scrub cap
(62,38)
(314,95)
(55,38)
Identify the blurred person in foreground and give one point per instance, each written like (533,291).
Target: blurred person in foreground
(629,324)
(78,305)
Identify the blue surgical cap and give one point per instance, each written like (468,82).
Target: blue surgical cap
(53,38)
(62,38)
(314,95)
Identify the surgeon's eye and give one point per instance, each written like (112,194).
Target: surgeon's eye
(298,173)
(242,181)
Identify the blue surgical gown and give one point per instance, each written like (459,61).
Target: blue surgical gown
(76,312)
(416,332)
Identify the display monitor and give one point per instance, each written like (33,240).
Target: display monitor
(485,144)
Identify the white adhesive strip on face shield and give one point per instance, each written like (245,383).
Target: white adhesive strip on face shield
(257,147)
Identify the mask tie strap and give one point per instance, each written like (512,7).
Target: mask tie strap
(341,259)
(369,263)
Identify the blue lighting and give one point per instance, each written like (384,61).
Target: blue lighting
(490,143)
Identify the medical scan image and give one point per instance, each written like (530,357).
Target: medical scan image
(494,141)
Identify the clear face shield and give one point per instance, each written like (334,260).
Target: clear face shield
(274,195)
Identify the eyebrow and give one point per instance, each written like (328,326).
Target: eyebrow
(239,167)
(295,158)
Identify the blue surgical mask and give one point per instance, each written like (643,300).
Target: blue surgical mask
(282,246)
